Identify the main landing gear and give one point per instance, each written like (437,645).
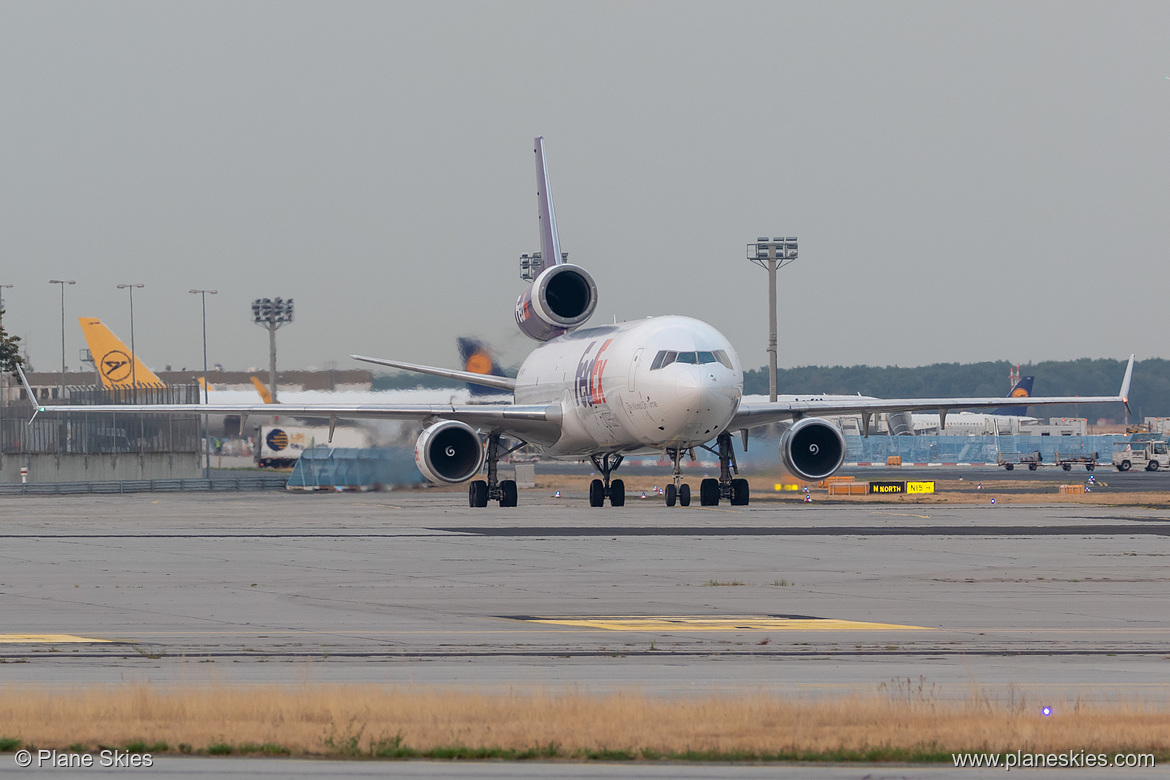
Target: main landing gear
(734,489)
(480,491)
(601,489)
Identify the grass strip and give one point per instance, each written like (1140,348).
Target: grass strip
(906,723)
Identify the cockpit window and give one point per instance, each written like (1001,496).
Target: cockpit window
(663,358)
(666,357)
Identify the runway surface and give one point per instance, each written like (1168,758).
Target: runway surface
(416,588)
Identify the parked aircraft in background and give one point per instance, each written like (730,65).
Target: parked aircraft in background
(669,383)
(1005,419)
(116,363)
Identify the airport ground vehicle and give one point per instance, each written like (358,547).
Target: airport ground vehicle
(1066,461)
(279,446)
(1152,454)
(1032,460)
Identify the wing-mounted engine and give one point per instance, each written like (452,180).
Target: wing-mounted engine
(449,451)
(812,448)
(561,297)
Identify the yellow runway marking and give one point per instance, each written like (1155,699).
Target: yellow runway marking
(710,623)
(40,639)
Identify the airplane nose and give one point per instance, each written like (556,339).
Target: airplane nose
(689,385)
(704,396)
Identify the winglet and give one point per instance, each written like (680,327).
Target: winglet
(32,397)
(1124,392)
(550,244)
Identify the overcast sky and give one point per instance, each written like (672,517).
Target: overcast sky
(968,181)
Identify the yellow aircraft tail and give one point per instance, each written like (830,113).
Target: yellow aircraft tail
(265,396)
(113,359)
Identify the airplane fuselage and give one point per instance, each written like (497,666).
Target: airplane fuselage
(643,385)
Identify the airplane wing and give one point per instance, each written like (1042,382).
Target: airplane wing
(487,380)
(536,422)
(751,414)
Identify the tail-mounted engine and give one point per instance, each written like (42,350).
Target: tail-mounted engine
(449,451)
(812,448)
(562,297)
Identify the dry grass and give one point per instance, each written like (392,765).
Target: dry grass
(364,720)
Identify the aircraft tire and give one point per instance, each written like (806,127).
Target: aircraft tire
(508,489)
(596,493)
(617,493)
(671,493)
(739,492)
(1125,464)
(709,492)
(477,494)
(684,494)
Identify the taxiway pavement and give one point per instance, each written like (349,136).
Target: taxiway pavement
(414,587)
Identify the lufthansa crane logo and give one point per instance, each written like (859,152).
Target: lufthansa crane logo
(115,365)
(1019,392)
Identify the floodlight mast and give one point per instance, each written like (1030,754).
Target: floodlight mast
(772,255)
(272,313)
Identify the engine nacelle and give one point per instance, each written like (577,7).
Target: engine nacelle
(812,448)
(560,299)
(449,451)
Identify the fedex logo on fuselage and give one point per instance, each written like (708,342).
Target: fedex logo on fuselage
(587,387)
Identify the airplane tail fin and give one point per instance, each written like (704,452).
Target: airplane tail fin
(118,368)
(550,243)
(477,359)
(265,395)
(1023,389)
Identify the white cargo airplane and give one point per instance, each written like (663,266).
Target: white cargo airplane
(659,384)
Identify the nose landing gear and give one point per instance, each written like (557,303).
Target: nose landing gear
(677,490)
(600,489)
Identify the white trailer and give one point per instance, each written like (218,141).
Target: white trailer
(279,446)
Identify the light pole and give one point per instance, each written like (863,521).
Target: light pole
(62,282)
(206,432)
(772,255)
(3,374)
(133,358)
(272,313)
